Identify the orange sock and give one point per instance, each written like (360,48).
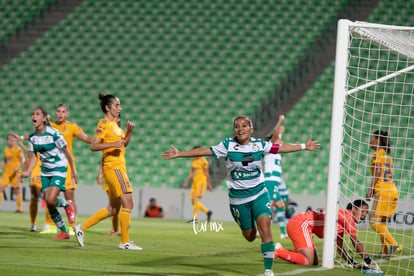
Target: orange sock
(201,207)
(33,209)
(95,218)
(382,229)
(198,206)
(124,222)
(291,256)
(48,219)
(19,201)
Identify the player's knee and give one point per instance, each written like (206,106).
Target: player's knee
(250,235)
(34,198)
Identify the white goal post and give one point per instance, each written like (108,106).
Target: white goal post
(373,90)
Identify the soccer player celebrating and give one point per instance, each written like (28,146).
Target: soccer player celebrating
(382,191)
(274,181)
(301,227)
(248,196)
(54,155)
(111,140)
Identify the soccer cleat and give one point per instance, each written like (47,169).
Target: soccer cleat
(78,234)
(284,236)
(129,246)
(209,213)
(33,228)
(192,221)
(268,272)
(394,249)
(71,232)
(278,247)
(62,236)
(49,229)
(70,212)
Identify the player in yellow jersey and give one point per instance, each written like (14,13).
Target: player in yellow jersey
(35,187)
(101,181)
(69,131)
(35,191)
(12,162)
(111,140)
(383,192)
(201,181)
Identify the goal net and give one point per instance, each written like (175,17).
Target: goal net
(373,90)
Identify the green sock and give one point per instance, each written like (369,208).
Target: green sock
(57,218)
(280,213)
(268,250)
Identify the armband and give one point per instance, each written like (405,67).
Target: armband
(275,148)
(303,146)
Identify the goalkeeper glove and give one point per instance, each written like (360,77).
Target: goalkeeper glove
(371,264)
(352,263)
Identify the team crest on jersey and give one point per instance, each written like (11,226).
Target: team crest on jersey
(117,130)
(255,147)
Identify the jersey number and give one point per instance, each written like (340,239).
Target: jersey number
(387,173)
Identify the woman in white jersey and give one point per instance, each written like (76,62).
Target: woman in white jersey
(274,180)
(248,196)
(54,156)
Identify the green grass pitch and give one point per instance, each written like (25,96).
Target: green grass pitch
(171,247)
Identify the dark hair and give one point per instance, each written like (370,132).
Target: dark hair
(357,203)
(383,139)
(105,100)
(44,112)
(63,105)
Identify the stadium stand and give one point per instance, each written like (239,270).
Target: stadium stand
(16,14)
(182,70)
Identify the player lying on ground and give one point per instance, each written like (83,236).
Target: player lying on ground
(301,227)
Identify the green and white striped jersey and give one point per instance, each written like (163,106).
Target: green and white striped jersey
(273,167)
(273,172)
(245,179)
(49,145)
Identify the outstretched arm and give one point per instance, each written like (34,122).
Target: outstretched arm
(309,145)
(175,153)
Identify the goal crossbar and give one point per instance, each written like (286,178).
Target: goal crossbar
(380,80)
